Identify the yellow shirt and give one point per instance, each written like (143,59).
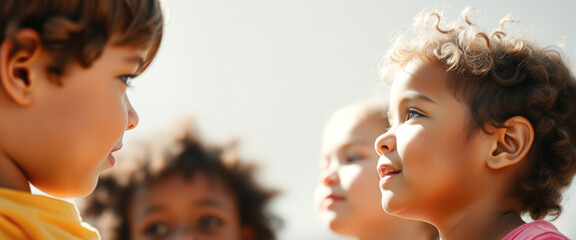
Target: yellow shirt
(27,216)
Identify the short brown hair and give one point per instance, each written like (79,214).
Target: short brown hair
(500,76)
(79,30)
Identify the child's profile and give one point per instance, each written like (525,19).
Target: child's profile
(64,69)
(347,198)
(483,130)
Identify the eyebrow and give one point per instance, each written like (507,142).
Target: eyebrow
(410,96)
(202,202)
(135,59)
(209,202)
(413,95)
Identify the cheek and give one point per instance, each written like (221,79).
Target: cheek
(414,144)
(348,176)
(362,182)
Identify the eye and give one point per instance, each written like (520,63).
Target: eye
(209,223)
(413,113)
(127,79)
(156,229)
(353,158)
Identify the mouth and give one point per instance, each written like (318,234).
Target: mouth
(116,149)
(111,158)
(331,200)
(386,173)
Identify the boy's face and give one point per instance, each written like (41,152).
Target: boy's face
(176,208)
(428,167)
(70,130)
(347,196)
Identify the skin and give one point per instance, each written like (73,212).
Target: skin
(176,208)
(440,175)
(347,196)
(60,137)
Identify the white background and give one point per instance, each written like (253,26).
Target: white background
(270,72)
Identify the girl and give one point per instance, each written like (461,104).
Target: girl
(483,130)
(347,195)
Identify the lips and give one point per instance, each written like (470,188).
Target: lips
(332,199)
(116,148)
(387,172)
(111,158)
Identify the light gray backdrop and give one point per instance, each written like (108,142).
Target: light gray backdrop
(270,72)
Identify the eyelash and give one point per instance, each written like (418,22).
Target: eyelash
(156,229)
(209,223)
(411,111)
(354,158)
(126,79)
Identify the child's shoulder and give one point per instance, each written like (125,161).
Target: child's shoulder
(537,230)
(24,216)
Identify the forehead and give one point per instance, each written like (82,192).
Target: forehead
(196,192)
(418,79)
(352,128)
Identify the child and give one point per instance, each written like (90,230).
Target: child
(347,195)
(64,69)
(483,130)
(182,188)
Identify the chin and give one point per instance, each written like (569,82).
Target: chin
(390,203)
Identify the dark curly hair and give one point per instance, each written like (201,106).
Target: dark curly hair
(178,153)
(501,76)
(79,30)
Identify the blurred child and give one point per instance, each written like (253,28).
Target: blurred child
(64,69)
(483,130)
(181,188)
(347,196)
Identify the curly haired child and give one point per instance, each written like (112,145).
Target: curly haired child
(483,130)
(347,195)
(177,186)
(64,69)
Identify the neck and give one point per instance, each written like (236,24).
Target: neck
(483,224)
(11,176)
(398,229)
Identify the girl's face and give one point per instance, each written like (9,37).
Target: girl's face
(347,196)
(428,167)
(176,208)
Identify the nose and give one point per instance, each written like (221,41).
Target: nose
(385,143)
(329,176)
(133,118)
(184,233)
(186,237)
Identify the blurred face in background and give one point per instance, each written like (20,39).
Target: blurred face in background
(175,208)
(347,197)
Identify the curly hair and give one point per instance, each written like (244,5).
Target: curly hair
(183,154)
(500,76)
(79,30)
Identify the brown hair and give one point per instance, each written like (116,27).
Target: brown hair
(500,76)
(78,30)
(181,153)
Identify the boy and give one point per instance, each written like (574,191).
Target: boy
(64,69)
(483,130)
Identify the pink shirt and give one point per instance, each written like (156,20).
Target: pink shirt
(537,230)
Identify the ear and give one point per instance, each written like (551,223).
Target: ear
(512,143)
(17,61)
